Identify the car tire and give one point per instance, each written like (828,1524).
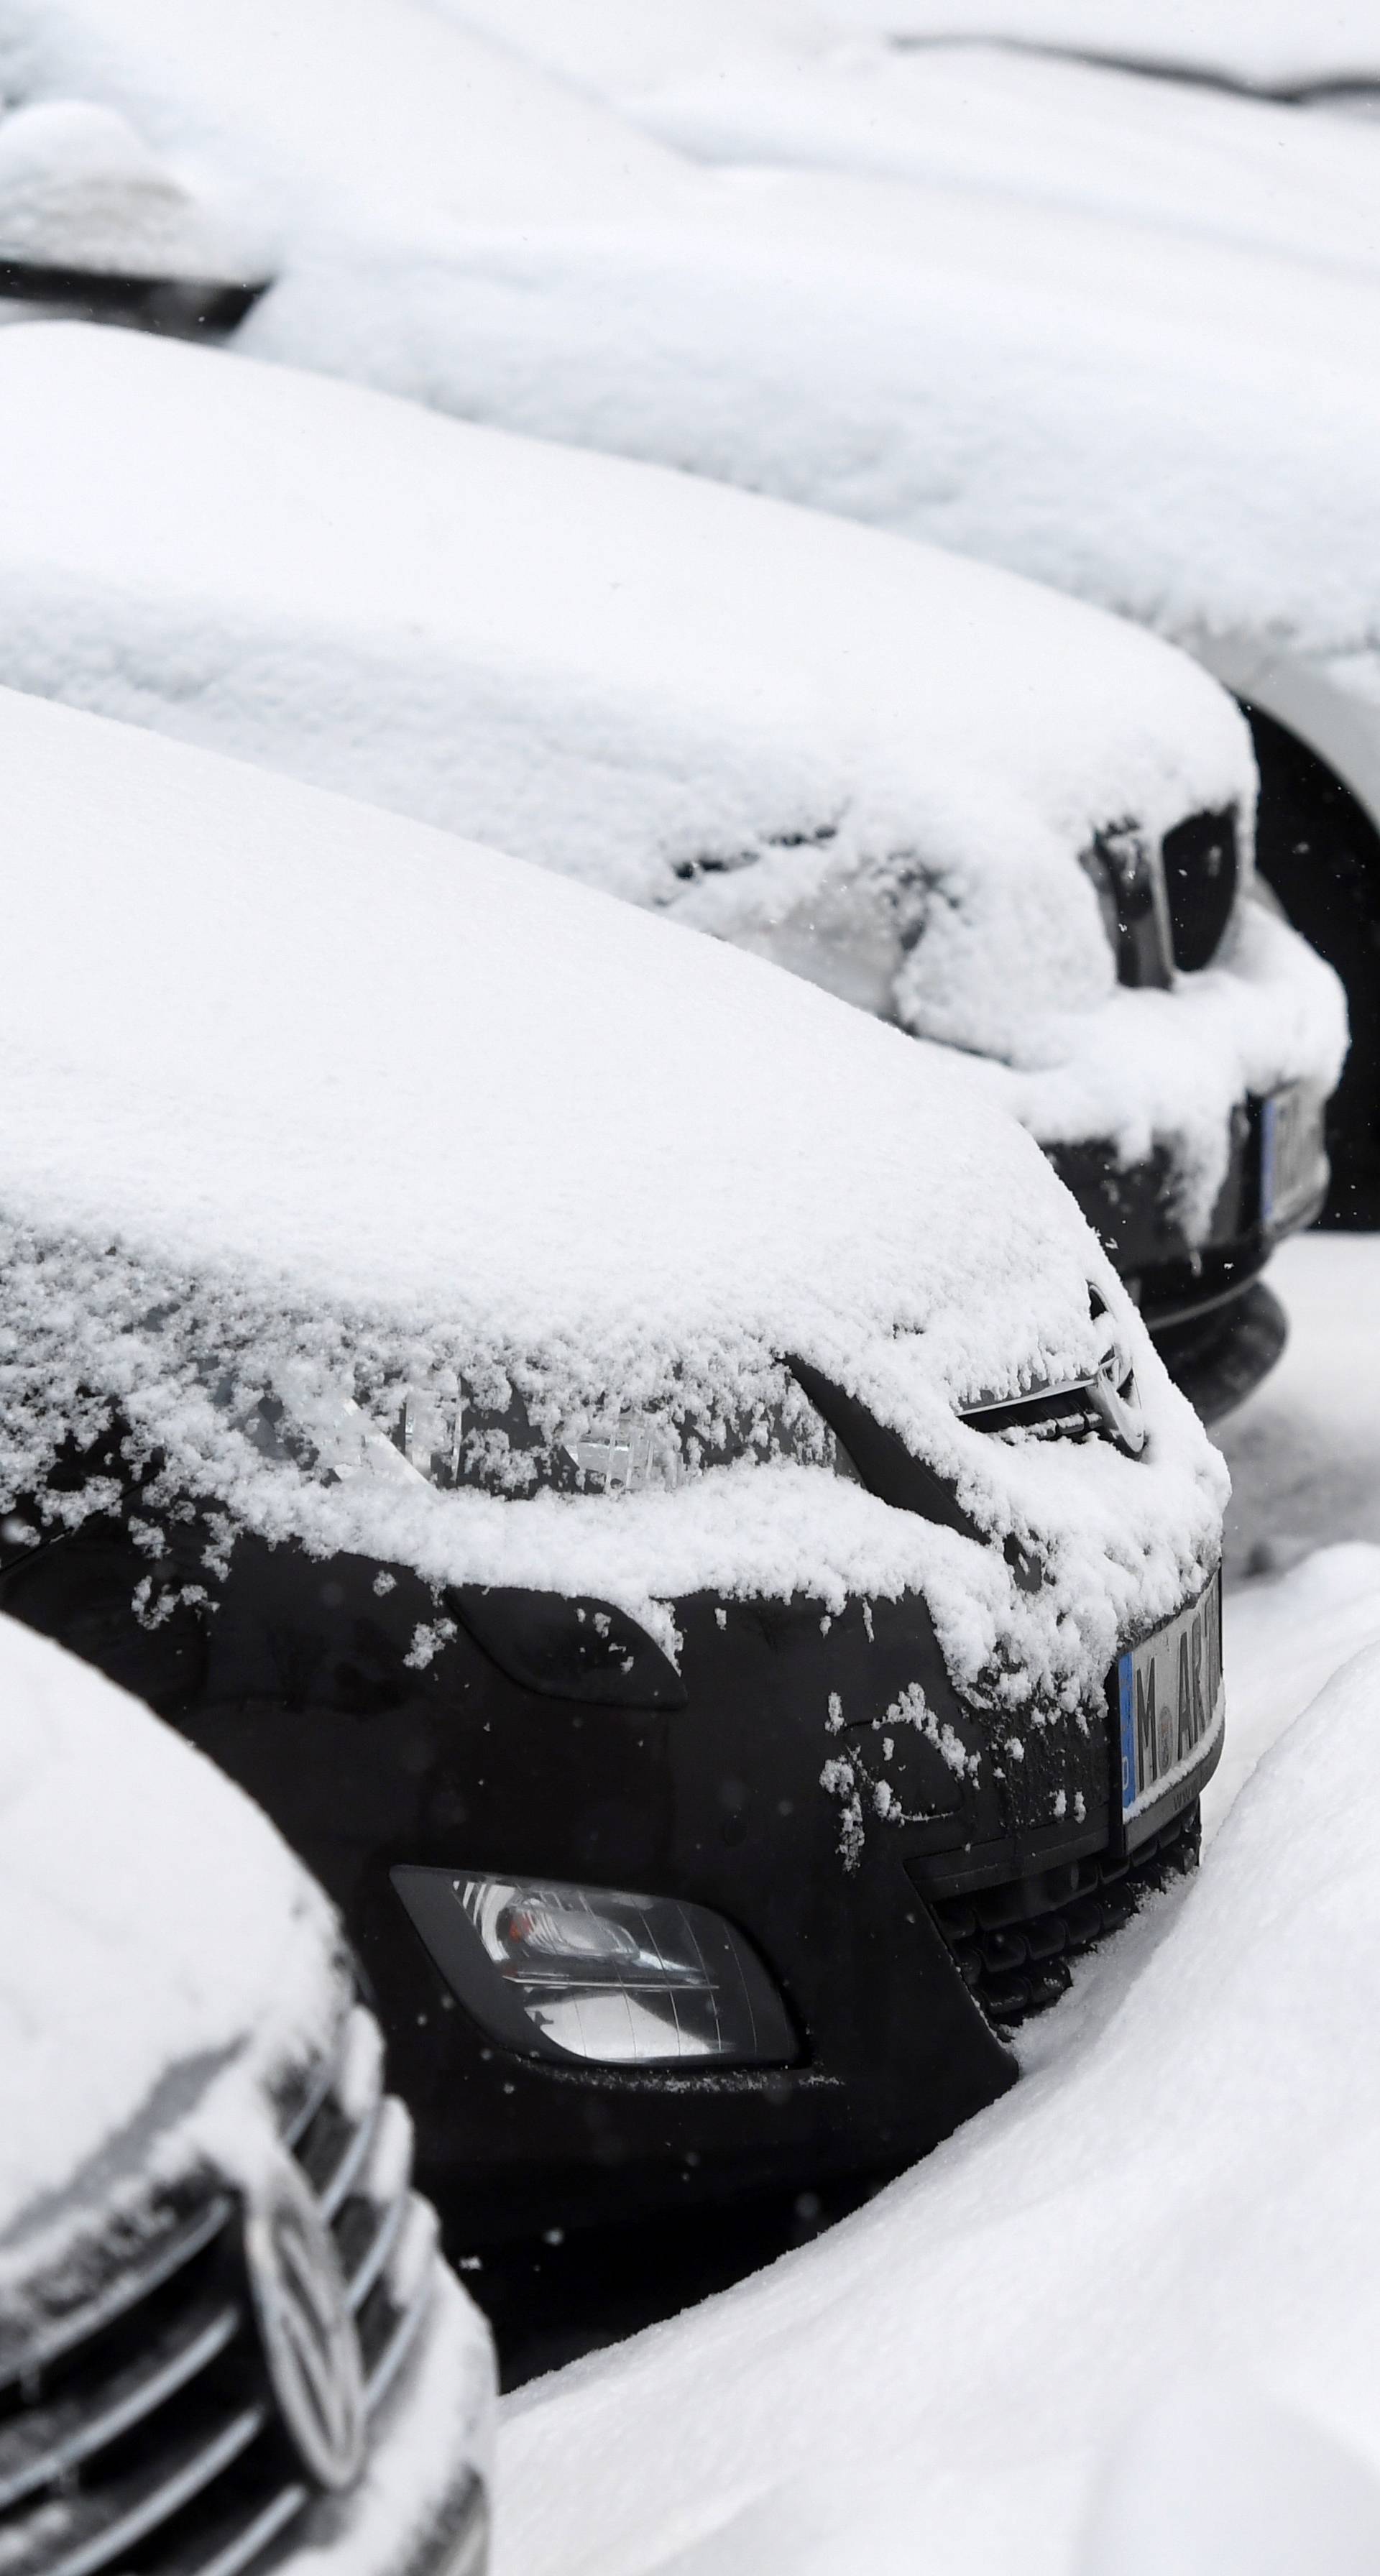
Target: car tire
(1319,852)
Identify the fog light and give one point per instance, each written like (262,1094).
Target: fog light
(554,1970)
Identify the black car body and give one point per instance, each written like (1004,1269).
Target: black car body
(707,1569)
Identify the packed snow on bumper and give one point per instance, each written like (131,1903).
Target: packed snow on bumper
(874,763)
(308,1101)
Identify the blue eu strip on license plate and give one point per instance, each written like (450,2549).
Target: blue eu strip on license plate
(1172,1706)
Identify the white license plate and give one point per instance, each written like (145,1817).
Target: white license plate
(1172,1708)
(1292,1166)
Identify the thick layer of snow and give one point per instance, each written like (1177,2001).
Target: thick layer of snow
(873,762)
(1179,2189)
(1268,44)
(127,1959)
(295,1086)
(79,189)
(1173,427)
(993,119)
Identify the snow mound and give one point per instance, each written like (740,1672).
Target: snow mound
(1183,2189)
(303,1096)
(78,189)
(1254,2490)
(129,1964)
(869,761)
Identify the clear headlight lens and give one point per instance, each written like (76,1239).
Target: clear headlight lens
(555,1970)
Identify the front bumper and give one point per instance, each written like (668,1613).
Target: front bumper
(301,1688)
(1218,1331)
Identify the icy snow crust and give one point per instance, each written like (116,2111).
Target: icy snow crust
(875,763)
(305,1099)
(1178,2195)
(129,1966)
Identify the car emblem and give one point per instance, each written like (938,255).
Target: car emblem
(306,2328)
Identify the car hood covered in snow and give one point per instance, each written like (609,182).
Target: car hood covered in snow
(305,1098)
(147,2003)
(771,84)
(1177,428)
(876,763)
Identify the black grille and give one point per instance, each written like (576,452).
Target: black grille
(150,2443)
(1012,1945)
(1200,874)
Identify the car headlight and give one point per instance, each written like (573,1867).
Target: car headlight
(450,1437)
(554,1970)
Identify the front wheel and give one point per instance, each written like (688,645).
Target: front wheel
(1319,852)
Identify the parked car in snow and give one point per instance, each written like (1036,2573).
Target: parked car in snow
(976,368)
(227,2340)
(996,817)
(640,1467)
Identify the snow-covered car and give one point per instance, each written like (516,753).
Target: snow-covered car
(1181,429)
(227,2339)
(641,1468)
(995,817)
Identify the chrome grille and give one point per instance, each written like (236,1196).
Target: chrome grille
(1105,1405)
(144,2437)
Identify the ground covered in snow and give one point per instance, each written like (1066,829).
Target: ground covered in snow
(1076,2318)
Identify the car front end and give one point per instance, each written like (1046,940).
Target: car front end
(753,1887)
(227,2339)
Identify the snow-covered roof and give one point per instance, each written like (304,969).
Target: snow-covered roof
(146,1999)
(300,1094)
(875,762)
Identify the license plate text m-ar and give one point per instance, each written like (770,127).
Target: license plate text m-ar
(1171,1701)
